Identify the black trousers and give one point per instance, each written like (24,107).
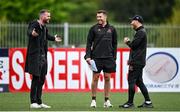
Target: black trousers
(135,78)
(36,86)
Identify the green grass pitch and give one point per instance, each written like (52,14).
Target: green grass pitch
(80,101)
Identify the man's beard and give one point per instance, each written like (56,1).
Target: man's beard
(46,21)
(100,22)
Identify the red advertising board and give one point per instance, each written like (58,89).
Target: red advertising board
(67,71)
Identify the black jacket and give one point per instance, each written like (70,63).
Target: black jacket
(101,42)
(138,48)
(37,46)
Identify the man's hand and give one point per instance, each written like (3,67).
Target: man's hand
(34,33)
(126,40)
(57,38)
(88,60)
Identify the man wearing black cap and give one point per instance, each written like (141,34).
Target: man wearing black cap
(136,62)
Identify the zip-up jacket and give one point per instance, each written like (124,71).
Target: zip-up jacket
(138,47)
(101,42)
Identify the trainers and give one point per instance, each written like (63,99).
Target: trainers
(93,104)
(44,106)
(146,105)
(126,105)
(107,104)
(35,105)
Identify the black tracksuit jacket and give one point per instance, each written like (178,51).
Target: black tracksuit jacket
(138,48)
(37,46)
(101,42)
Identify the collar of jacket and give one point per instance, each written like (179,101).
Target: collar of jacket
(139,28)
(99,25)
(40,25)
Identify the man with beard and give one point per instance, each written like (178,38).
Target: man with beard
(101,47)
(36,58)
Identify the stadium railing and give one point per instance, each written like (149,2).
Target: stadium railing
(74,35)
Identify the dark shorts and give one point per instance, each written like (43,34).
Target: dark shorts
(108,65)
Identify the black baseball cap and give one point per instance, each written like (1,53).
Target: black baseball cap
(138,18)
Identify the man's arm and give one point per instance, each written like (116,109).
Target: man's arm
(136,41)
(50,37)
(114,43)
(32,29)
(53,38)
(89,44)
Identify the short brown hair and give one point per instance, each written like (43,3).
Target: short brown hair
(102,11)
(43,11)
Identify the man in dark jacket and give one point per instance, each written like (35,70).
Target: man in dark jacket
(101,47)
(36,58)
(137,58)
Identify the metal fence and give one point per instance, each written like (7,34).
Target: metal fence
(74,35)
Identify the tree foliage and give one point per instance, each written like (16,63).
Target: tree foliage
(80,11)
(153,11)
(176,14)
(61,10)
